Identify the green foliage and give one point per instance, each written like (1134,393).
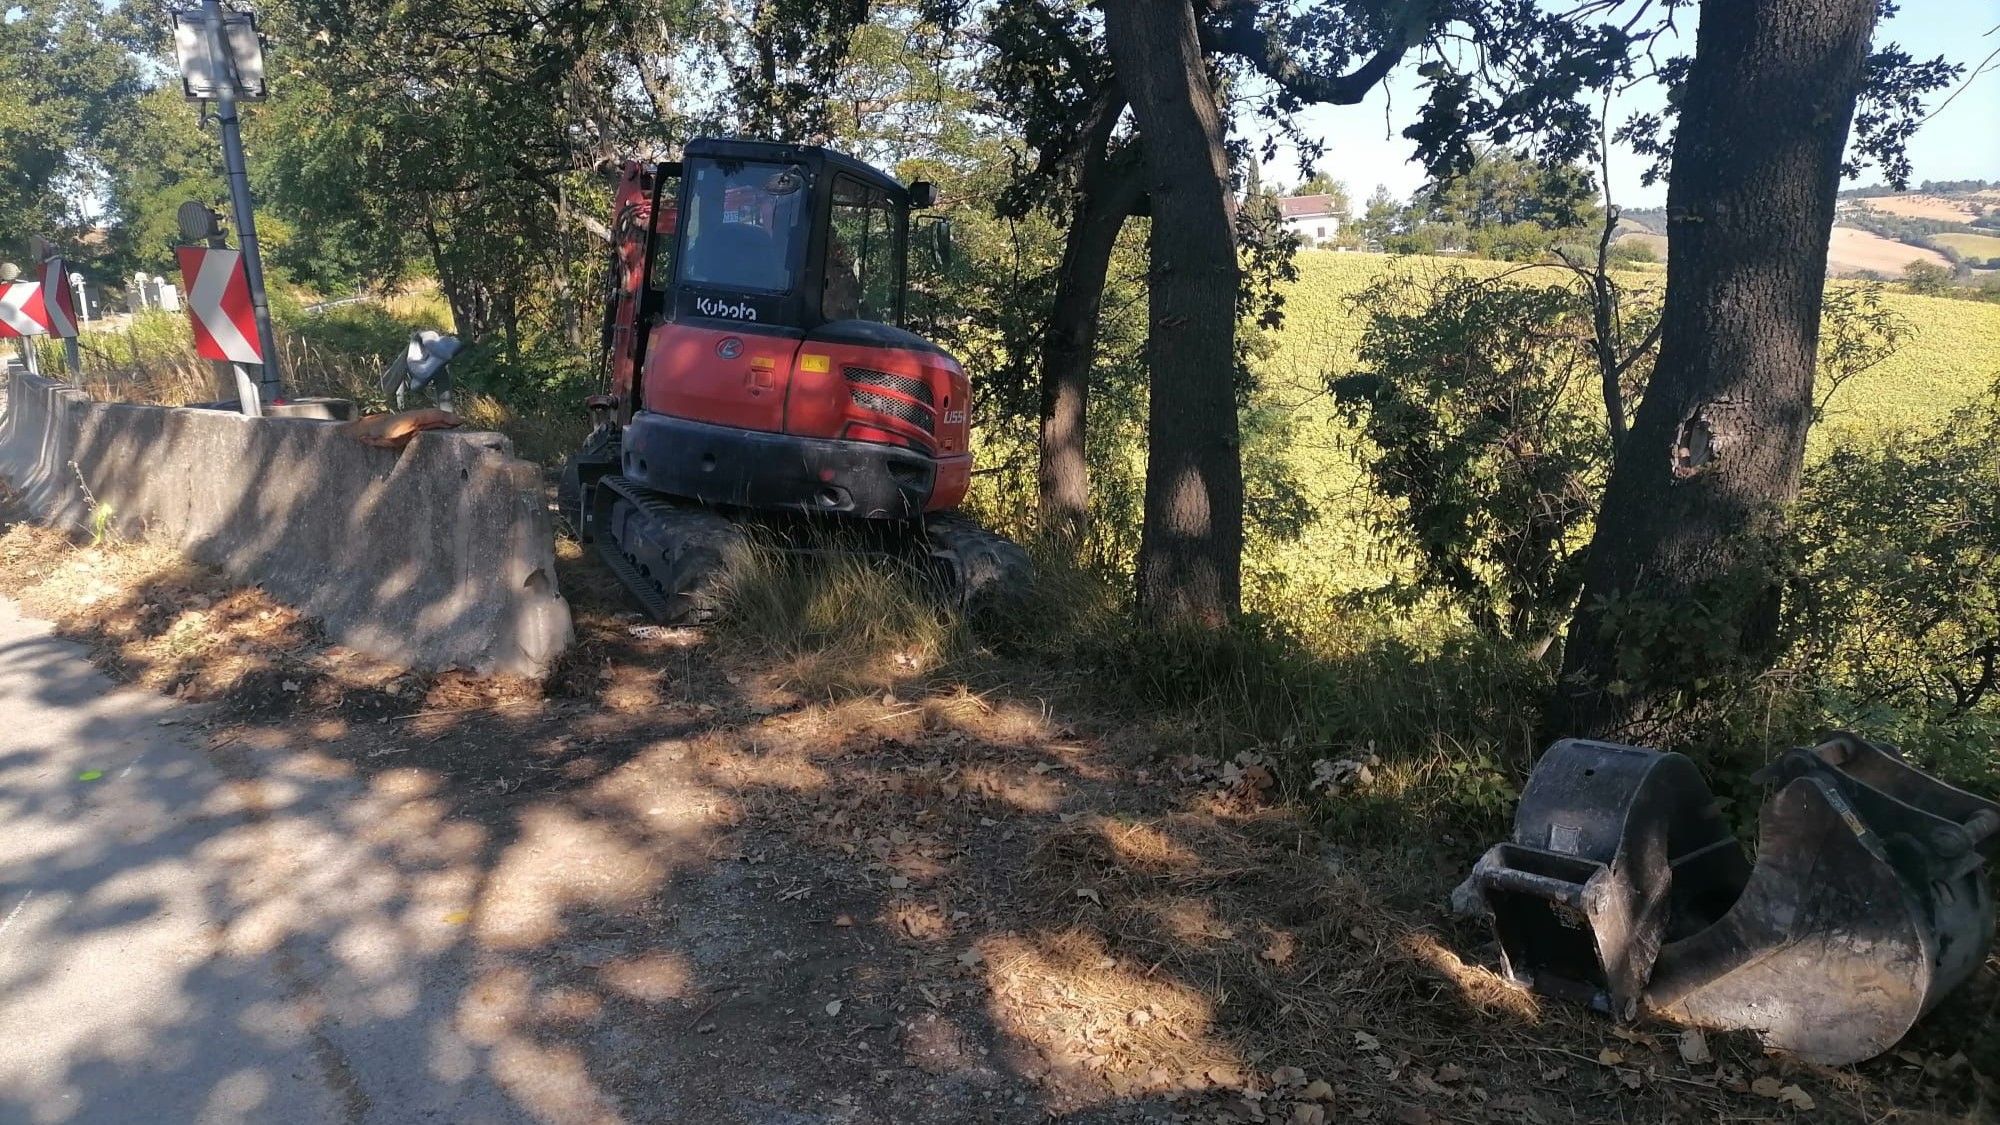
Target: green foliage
(1886,114)
(65,75)
(1629,252)
(1926,278)
(1479,404)
(1480,432)
(1322,182)
(1979,251)
(1503,206)
(1858,332)
(1378,222)
(1896,604)
(162,160)
(1702,657)
(1698,656)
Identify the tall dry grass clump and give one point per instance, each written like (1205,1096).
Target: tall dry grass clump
(836,622)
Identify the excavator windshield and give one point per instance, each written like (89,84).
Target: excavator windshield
(746,225)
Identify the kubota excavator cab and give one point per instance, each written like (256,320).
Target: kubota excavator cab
(758,365)
(756,337)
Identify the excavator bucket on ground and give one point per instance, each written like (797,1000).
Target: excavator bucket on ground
(1869,900)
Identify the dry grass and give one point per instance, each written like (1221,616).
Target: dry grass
(835,623)
(543,433)
(1028,869)
(154,361)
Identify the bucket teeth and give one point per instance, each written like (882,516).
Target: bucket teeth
(1869,900)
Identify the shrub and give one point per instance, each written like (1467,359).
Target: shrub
(1926,278)
(1631,251)
(1480,403)
(1896,605)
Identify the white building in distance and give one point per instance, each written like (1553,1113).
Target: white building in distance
(1311,217)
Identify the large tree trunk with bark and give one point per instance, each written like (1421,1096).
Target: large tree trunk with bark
(1107,187)
(1679,587)
(1191,549)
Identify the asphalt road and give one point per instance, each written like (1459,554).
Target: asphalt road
(180,946)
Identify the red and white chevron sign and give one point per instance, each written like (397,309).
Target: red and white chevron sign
(57,300)
(218,301)
(22,311)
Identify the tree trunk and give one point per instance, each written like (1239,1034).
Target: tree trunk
(468,318)
(1191,548)
(1107,187)
(1679,588)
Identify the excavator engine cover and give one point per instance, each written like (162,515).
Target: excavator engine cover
(1868,902)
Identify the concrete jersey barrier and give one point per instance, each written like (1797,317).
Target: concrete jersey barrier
(438,555)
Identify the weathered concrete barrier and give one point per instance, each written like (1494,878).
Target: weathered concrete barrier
(438,555)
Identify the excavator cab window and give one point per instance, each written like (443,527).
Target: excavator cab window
(864,259)
(662,272)
(745,226)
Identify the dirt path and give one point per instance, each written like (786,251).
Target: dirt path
(144,960)
(669,889)
(226,922)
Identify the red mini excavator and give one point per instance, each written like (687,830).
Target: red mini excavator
(759,372)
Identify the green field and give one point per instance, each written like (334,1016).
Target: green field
(1970,245)
(1952,355)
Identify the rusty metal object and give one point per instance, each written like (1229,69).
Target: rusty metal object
(1611,845)
(1868,902)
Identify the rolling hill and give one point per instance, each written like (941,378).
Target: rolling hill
(1879,234)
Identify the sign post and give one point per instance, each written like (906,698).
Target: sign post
(62,302)
(199,224)
(225,322)
(222,61)
(72,351)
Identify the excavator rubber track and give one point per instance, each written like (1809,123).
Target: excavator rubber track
(982,572)
(671,555)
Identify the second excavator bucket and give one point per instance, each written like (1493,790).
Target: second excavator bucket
(1868,902)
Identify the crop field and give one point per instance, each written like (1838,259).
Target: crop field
(1853,250)
(1951,356)
(1950,209)
(1970,245)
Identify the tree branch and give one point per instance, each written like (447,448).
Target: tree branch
(1241,35)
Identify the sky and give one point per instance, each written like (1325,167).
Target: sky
(1960,142)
